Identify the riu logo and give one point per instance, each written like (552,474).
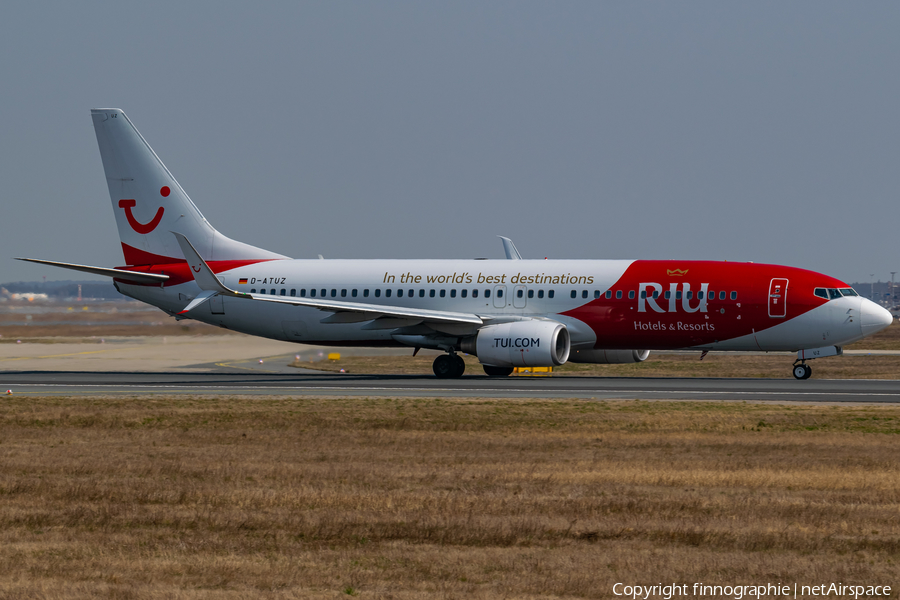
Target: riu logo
(649,293)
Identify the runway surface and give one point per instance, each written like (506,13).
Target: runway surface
(231,381)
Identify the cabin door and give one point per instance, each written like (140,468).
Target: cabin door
(778,298)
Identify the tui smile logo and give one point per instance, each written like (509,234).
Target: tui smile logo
(143,228)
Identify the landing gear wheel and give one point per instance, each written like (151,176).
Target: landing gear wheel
(497,371)
(448,366)
(444,367)
(460,365)
(802,371)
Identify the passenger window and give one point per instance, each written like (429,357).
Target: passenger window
(573,294)
(453,293)
(273,292)
(422,293)
(848,292)
(699,295)
(343,293)
(303,293)
(443,293)
(463,293)
(584,294)
(631,295)
(618,294)
(655,294)
(411,293)
(283,292)
(399,293)
(377,293)
(678,295)
(475,294)
(387,293)
(734,295)
(293,292)
(643,294)
(487,293)
(353,293)
(667,294)
(253,291)
(531,293)
(540,293)
(520,294)
(431,294)
(608,294)
(312,293)
(834,293)
(366,293)
(551,293)
(324,293)
(499,293)
(333,292)
(690,294)
(721,295)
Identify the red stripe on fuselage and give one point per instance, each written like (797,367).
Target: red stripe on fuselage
(177,269)
(618,323)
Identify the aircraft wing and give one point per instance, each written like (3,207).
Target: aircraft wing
(117,273)
(357,311)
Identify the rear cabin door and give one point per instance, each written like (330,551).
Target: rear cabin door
(778,298)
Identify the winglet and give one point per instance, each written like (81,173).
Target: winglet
(510,248)
(203,275)
(200,299)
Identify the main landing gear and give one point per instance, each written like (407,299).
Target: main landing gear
(802,371)
(448,366)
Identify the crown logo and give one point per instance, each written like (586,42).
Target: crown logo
(676,272)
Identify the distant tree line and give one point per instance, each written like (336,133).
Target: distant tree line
(66,289)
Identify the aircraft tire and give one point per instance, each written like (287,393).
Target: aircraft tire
(497,371)
(802,371)
(444,367)
(460,365)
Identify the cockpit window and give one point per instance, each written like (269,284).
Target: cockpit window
(833,293)
(821,293)
(848,292)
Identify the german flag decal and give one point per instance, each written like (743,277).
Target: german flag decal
(242,281)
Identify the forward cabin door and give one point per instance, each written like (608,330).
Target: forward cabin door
(778,298)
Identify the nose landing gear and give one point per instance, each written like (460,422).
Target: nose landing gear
(448,366)
(802,371)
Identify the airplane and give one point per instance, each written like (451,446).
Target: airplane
(509,313)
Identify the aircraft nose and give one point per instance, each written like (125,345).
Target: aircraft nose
(873,317)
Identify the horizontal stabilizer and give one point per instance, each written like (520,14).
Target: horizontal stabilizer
(106,272)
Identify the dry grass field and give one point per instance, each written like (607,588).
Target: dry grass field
(227,498)
(45,323)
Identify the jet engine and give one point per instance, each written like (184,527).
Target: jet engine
(608,357)
(536,343)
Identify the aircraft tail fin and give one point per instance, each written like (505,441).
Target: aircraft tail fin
(149,203)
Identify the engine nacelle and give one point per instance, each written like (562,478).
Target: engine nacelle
(520,344)
(608,357)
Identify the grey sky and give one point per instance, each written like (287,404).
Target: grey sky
(741,131)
